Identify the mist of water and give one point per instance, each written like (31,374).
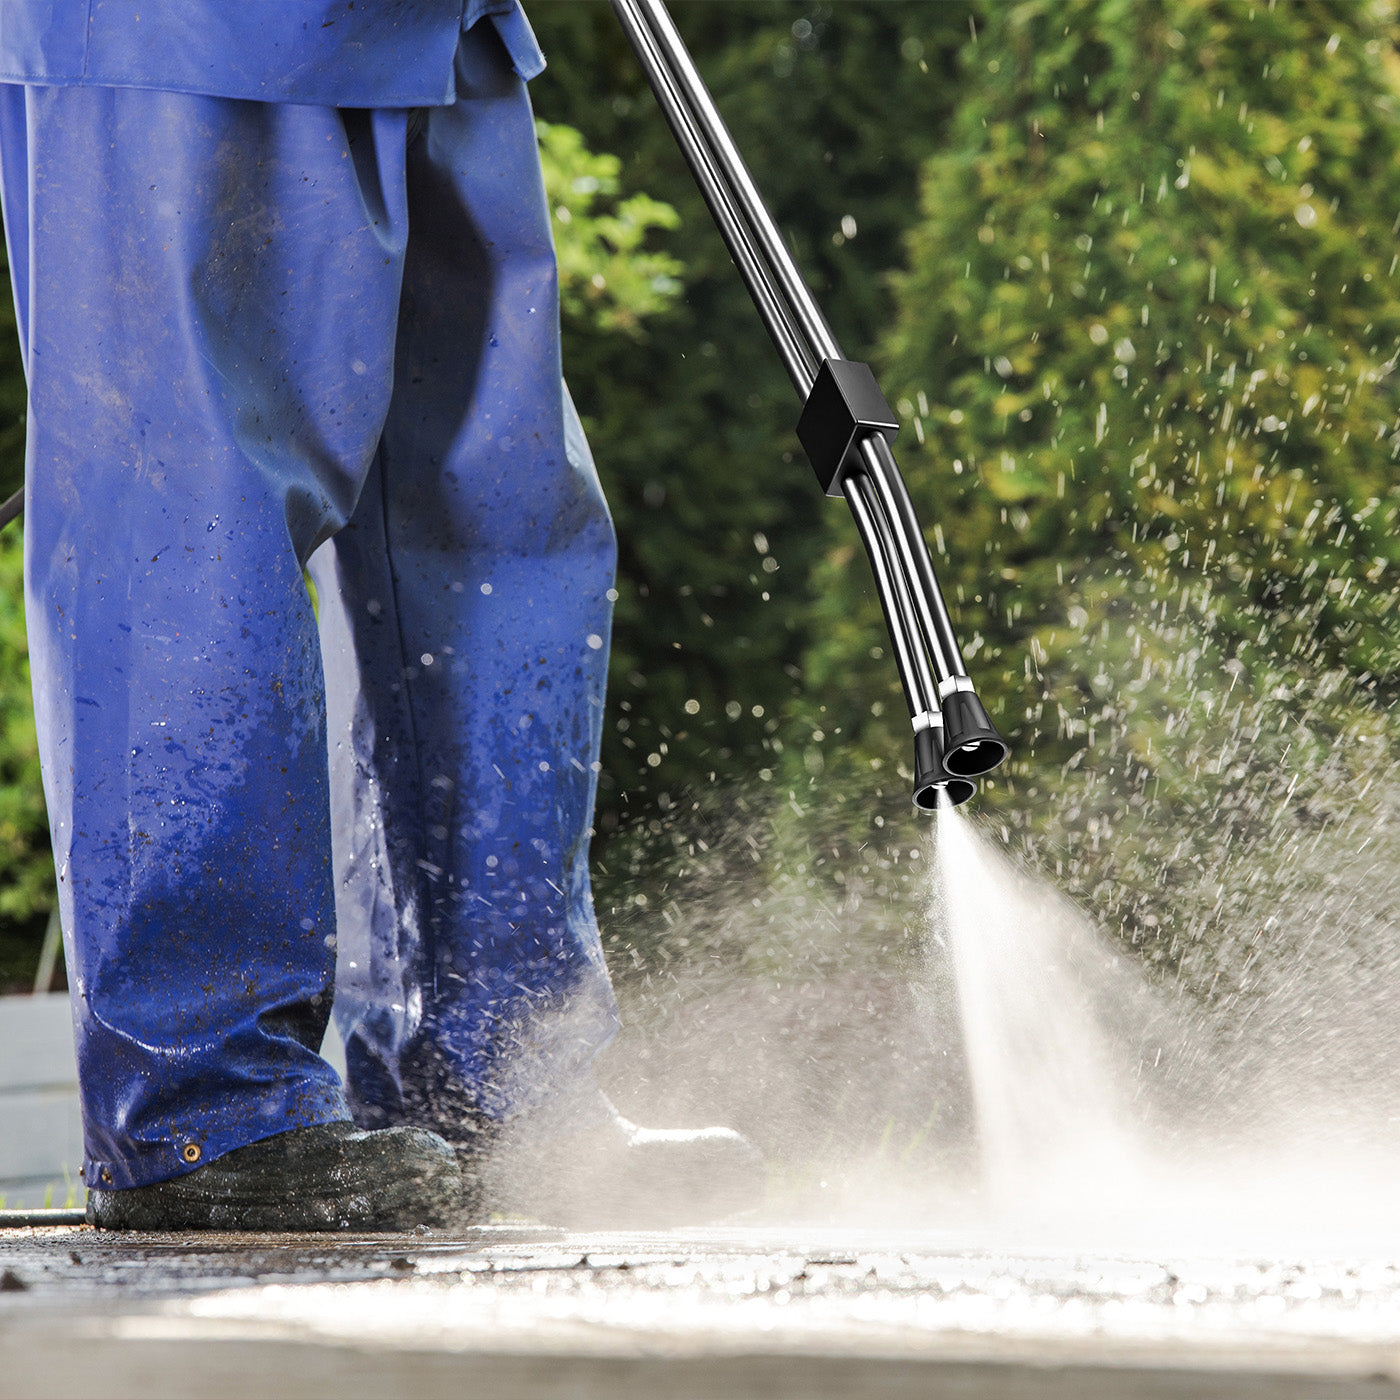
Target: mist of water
(1108,1109)
(1051,1106)
(1120,1001)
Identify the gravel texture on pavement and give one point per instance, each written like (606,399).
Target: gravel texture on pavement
(513,1311)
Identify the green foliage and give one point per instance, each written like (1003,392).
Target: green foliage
(608,279)
(26,865)
(1146,354)
(26,868)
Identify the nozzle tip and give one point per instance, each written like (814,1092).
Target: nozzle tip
(971,744)
(956,790)
(932,778)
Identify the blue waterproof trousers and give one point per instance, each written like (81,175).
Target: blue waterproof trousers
(263,339)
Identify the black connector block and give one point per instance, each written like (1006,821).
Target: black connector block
(845,404)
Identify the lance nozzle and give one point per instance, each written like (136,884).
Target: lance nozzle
(971,744)
(932,779)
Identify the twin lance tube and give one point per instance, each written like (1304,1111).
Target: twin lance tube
(845,426)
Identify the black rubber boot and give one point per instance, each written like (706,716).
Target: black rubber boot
(613,1175)
(330,1176)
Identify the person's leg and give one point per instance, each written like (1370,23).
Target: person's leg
(209,291)
(466,614)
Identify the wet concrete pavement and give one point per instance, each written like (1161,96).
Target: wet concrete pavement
(512,1312)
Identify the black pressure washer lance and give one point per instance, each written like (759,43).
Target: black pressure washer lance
(846,426)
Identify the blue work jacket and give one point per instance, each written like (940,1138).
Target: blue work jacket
(333,53)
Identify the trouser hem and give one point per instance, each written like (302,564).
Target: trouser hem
(238,1125)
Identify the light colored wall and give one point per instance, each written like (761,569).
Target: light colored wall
(41,1141)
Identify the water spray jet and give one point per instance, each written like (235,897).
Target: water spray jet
(846,425)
